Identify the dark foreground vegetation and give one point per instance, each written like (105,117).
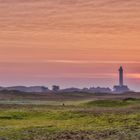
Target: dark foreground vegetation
(105,119)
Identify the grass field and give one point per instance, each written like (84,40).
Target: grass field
(107,119)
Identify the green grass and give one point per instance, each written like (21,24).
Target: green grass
(113,103)
(91,120)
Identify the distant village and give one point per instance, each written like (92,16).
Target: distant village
(121,88)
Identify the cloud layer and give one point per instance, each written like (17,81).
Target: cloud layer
(52,37)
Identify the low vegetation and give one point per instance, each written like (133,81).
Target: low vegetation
(114,103)
(93,120)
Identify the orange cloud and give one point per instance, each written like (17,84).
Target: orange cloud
(53,37)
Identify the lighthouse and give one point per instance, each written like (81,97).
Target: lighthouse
(121,76)
(121,88)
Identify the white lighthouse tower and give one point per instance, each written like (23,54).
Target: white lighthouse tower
(121,76)
(121,88)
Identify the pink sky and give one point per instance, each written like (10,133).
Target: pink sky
(69,42)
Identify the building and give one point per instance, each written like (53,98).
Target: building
(55,88)
(121,76)
(121,88)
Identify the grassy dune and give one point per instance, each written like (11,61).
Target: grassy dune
(91,120)
(113,103)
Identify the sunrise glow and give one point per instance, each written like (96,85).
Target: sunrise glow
(69,42)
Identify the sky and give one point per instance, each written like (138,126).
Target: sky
(79,43)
